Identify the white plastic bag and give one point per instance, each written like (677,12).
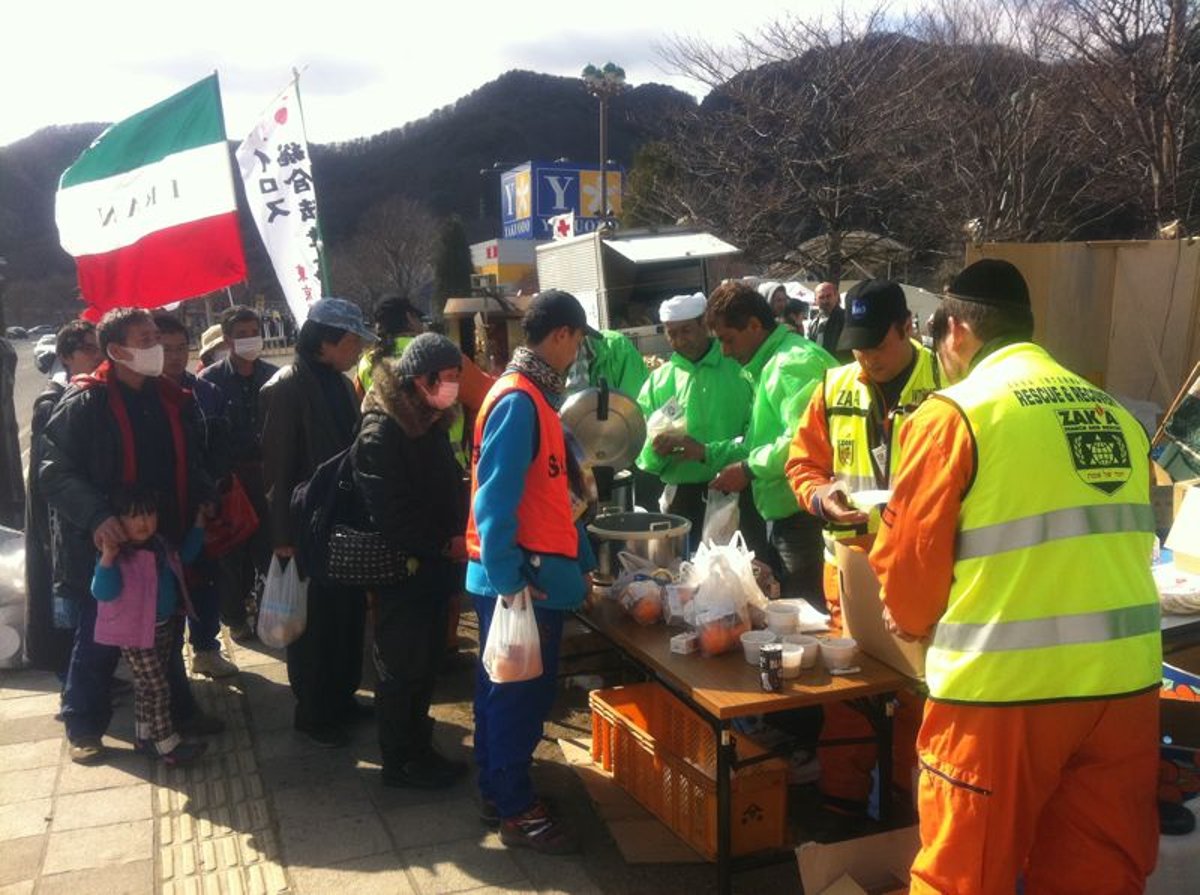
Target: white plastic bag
(721,517)
(513,651)
(283,614)
(669,418)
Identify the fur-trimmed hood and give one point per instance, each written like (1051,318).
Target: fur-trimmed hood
(389,395)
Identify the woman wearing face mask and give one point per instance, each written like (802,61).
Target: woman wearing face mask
(410,484)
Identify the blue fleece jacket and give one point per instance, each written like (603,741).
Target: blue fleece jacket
(509,436)
(106,582)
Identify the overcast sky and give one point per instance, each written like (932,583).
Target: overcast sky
(369,66)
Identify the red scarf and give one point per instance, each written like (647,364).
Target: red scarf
(173,398)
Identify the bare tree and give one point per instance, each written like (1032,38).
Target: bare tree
(1136,67)
(1012,164)
(809,131)
(391,252)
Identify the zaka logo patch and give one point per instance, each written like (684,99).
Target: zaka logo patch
(1099,451)
(845,452)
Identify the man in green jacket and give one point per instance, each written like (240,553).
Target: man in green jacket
(713,398)
(785,368)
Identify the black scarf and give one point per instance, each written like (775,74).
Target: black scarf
(544,376)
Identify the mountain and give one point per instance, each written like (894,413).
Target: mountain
(437,160)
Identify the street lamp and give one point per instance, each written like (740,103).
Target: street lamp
(604,83)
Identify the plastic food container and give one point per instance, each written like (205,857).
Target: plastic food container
(839,652)
(782,618)
(793,654)
(810,645)
(752,642)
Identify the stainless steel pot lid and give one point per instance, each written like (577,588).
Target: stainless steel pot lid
(639,526)
(607,424)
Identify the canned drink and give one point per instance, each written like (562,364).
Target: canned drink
(770,666)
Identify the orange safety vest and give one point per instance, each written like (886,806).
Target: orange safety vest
(544,521)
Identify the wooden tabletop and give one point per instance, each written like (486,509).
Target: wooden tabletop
(727,686)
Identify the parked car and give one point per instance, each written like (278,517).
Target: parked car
(42,329)
(16,332)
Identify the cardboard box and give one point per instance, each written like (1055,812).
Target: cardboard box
(1180,490)
(871,865)
(1162,500)
(1184,538)
(862,615)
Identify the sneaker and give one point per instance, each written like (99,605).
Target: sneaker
(87,750)
(489,814)
(211,663)
(539,830)
(326,736)
(200,724)
(185,753)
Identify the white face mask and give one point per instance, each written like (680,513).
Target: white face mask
(444,396)
(248,349)
(145,361)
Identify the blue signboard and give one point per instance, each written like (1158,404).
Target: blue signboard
(533,193)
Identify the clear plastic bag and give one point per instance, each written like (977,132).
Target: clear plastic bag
(668,419)
(283,613)
(721,517)
(513,651)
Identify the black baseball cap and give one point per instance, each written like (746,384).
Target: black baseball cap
(990,281)
(872,307)
(551,309)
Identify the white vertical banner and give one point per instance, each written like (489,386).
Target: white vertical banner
(277,174)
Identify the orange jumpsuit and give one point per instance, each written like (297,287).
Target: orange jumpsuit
(1061,792)
(846,770)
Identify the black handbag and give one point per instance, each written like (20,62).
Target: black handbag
(360,558)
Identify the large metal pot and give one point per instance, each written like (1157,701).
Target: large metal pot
(659,537)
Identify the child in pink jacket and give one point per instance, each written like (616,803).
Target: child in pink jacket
(142,598)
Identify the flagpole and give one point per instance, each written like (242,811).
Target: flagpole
(324,266)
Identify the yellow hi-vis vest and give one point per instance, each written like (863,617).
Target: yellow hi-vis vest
(853,412)
(1052,597)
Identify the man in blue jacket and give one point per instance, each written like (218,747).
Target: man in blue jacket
(523,537)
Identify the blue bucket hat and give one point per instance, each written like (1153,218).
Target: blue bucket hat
(341,314)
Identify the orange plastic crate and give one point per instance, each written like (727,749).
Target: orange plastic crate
(665,756)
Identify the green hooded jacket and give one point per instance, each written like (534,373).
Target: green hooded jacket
(785,370)
(715,395)
(617,360)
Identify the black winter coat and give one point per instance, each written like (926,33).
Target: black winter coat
(299,433)
(82,460)
(405,471)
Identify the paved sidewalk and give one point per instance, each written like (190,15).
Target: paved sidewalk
(266,812)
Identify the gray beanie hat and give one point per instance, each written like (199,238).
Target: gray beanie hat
(429,353)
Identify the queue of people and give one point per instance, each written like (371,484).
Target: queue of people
(1015,542)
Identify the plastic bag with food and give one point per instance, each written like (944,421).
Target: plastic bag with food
(513,651)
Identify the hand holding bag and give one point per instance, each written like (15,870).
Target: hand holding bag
(283,614)
(513,651)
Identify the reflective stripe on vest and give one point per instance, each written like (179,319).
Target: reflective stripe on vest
(545,524)
(1072,522)
(849,402)
(1051,596)
(1058,630)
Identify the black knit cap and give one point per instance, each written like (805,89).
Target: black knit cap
(990,281)
(429,353)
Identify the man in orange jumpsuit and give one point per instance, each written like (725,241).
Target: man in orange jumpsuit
(848,435)
(1017,541)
